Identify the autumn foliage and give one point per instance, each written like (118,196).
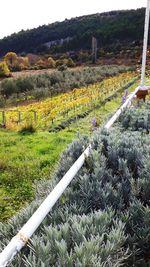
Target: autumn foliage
(4,70)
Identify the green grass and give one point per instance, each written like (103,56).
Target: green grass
(25,158)
(84,126)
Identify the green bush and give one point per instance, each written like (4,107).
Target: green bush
(51,62)
(4,70)
(27,129)
(8,88)
(62,67)
(70,63)
(137,119)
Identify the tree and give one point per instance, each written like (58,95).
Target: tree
(70,63)
(51,62)
(11,59)
(60,62)
(4,70)
(23,62)
(32,59)
(41,64)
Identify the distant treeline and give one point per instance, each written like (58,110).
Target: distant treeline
(112,30)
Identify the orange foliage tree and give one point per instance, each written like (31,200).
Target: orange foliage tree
(11,58)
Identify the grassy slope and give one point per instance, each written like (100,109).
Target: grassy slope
(26,158)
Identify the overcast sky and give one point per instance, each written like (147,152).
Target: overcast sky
(16,15)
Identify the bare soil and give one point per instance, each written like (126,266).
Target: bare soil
(25,73)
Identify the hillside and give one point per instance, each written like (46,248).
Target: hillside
(113,31)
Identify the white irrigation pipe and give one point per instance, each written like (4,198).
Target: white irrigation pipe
(119,111)
(145,42)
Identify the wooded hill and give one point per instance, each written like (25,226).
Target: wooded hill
(113,30)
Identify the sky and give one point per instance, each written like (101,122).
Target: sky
(16,15)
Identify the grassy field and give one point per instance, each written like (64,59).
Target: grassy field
(26,158)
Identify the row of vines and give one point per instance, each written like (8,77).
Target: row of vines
(50,112)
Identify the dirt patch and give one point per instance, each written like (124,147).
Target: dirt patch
(26,73)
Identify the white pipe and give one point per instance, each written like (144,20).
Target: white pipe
(32,224)
(36,219)
(145,88)
(145,42)
(119,111)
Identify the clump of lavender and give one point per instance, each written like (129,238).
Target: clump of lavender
(124,97)
(94,123)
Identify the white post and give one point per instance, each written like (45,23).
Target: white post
(145,42)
